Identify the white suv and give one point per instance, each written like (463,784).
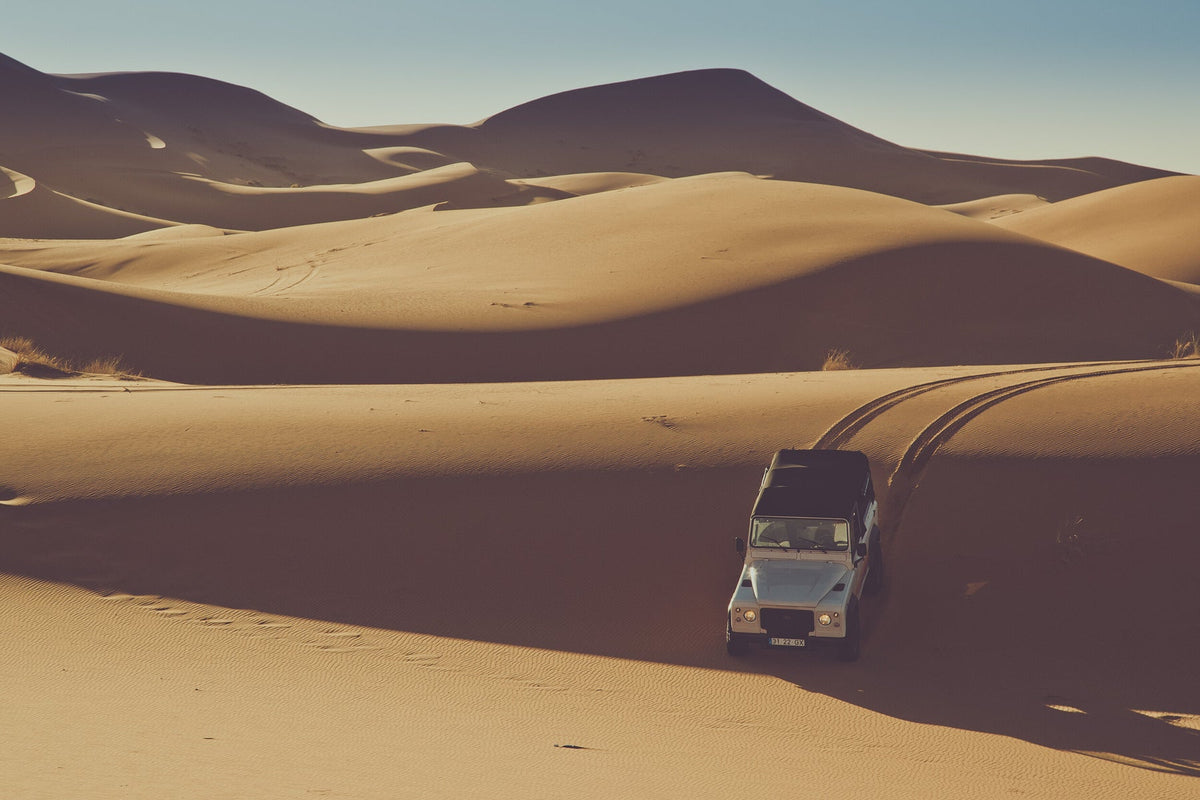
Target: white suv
(812,551)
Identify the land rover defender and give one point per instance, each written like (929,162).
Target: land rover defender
(811,553)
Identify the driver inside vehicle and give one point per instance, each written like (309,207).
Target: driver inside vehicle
(800,534)
(775,533)
(824,537)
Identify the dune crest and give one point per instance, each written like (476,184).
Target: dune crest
(992,208)
(720,120)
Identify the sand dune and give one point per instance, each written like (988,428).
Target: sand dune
(176,232)
(218,130)
(233,206)
(14,184)
(1149,227)
(592,182)
(195,523)
(31,210)
(717,120)
(717,274)
(413,159)
(480,546)
(140,141)
(990,208)
(159,144)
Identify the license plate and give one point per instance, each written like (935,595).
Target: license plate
(787,642)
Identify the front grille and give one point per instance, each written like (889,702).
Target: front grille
(787,622)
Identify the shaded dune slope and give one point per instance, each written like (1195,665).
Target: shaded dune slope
(1151,227)
(722,274)
(203,126)
(33,210)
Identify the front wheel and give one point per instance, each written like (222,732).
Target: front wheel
(735,645)
(848,648)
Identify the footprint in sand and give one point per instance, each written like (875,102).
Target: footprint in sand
(344,642)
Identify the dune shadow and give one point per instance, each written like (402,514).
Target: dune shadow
(964,316)
(638,565)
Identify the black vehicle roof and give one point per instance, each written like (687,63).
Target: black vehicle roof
(813,483)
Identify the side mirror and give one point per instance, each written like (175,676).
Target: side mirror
(739,545)
(861,549)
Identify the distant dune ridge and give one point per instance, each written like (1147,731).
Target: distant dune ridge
(158,144)
(558,245)
(712,274)
(466,416)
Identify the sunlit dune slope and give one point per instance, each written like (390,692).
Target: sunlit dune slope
(592,182)
(1152,227)
(990,208)
(713,274)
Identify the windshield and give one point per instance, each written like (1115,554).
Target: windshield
(797,533)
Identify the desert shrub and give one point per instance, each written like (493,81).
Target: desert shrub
(1186,346)
(33,360)
(837,358)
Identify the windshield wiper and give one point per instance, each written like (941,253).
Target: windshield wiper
(773,540)
(815,545)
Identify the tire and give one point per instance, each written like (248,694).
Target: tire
(874,582)
(735,645)
(848,648)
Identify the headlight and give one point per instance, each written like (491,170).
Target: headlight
(824,619)
(750,615)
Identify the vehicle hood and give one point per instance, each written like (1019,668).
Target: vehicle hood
(788,582)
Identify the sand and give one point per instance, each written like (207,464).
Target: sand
(430,485)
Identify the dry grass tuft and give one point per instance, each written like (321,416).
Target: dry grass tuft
(1186,346)
(837,358)
(33,360)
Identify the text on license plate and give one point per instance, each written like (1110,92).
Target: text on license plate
(787,642)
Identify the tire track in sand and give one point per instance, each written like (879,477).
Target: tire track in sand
(906,477)
(845,428)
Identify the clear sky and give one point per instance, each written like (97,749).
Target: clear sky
(1018,79)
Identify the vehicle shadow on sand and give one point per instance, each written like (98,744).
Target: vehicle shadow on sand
(1082,701)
